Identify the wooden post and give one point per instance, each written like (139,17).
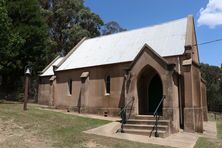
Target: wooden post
(26,92)
(27,74)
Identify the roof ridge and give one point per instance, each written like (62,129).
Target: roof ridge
(136,29)
(53,63)
(124,46)
(71,51)
(50,64)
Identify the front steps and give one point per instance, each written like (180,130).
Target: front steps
(144,125)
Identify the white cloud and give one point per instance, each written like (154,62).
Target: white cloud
(212,14)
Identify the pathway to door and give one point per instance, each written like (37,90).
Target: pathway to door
(180,139)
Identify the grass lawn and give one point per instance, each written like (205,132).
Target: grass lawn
(212,143)
(38,128)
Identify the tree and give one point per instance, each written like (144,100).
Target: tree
(10,43)
(111,27)
(31,32)
(213,77)
(69,22)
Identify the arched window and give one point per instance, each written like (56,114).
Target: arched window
(108,85)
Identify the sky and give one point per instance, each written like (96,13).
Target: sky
(132,14)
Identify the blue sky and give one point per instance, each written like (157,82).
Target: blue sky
(131,14)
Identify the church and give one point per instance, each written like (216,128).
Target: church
(148,68)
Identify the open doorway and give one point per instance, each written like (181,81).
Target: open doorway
(150,91)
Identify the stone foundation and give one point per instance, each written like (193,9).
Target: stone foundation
(111,112)
(205,111)
(193,120)
(172,114)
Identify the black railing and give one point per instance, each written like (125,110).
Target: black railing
(122,113)
(157,117)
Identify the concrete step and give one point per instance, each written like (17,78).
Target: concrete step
(145,127)
(147,122)
(162,134)
(146,117)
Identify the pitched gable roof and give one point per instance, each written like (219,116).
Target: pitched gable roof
(167,39)
(48,71)
(146,48)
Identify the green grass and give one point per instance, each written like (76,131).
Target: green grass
(212,143)
(203,142)
(219,129)
(42,128)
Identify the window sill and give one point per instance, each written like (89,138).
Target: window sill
(107,94)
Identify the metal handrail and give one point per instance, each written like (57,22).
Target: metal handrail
(155,114)
(132,99)
(122,113)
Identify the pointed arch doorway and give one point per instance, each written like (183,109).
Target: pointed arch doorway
(150,91)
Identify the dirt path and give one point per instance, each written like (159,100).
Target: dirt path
(13,135)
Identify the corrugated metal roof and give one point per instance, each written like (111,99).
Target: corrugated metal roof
(49,71)
(166,39)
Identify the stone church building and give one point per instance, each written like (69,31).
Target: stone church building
(101,75)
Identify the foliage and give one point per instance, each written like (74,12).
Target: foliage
(32,32)
(30,25)
(111,28)
(24,41)
(10,44)
(213,77)
(69,22)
